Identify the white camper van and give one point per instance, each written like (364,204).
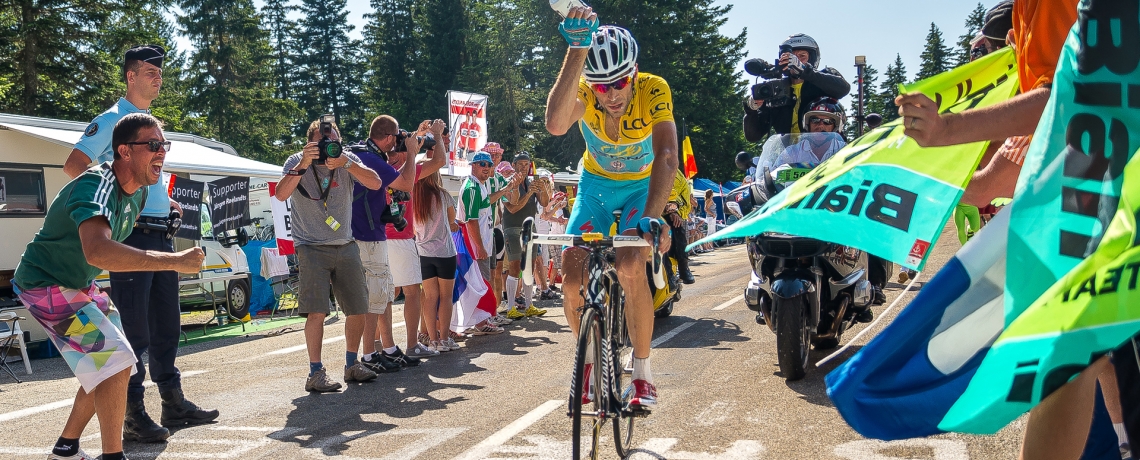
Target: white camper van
(32,153)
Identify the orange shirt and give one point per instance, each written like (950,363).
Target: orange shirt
(1040,28)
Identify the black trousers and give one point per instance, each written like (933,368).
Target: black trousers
(878,270)
(148,305)
(680,240)
(1127,366)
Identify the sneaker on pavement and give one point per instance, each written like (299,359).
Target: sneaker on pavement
(534,311)
(484,329)
(421,351)
(423,338)
(81,455)
(644,394)
(439,347)
(358,373)
(520,301)
(321,383)
(450,342)
(500,320)
(515,314)
(400,358)
(381,365)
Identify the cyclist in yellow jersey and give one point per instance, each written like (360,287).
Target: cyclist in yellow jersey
(626,117)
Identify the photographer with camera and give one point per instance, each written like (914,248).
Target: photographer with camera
(402,251)
(791,85)
(522,203)
(372,211)
(319,181)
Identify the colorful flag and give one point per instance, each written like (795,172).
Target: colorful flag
(883,193)
(1070,269)
(689,161)
(902,384)
(470,287)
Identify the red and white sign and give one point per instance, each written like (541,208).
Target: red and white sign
(467,118)
(917,252)
(282,225)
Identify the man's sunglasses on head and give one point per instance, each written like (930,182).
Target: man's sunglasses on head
(821,121)
(603,88)
(153,146)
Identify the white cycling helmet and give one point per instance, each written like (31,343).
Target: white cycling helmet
(612,55)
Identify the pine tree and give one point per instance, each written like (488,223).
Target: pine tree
(51,59)
(231,79)
(889,90)
(329,68)
(282,31)
(390,50)
(974,23)
(935,55)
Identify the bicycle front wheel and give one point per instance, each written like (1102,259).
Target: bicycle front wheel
(587,392)
(622,385)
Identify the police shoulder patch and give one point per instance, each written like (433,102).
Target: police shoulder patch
(91,129)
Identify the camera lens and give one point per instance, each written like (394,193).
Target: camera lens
(333,150)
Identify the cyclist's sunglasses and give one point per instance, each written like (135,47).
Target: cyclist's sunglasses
(603,88)
(822,121)
(153,146)
(484,164)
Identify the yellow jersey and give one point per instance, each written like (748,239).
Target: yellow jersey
(630,156)
(680,194)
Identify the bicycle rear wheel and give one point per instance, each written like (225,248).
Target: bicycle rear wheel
(588,418)
(621,388)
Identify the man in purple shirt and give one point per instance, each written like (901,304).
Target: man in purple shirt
(369,230)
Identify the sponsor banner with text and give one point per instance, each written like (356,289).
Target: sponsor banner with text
(467,122)
(188,194)
(883,193)
(282,227)
(229,203)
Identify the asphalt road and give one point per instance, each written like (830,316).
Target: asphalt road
(722,396)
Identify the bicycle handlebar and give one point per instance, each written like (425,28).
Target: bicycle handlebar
(595,240)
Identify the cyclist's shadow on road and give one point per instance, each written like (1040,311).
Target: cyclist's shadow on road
(812,388)
(704,332)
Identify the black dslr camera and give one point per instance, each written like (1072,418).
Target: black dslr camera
(327,147)
(394,212)
(776,89)
(401,136)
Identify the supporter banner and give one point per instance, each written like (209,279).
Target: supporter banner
(282,227)
(188,193)
(1011,319)
(467,120)
(883,193)
(1068,207)
(229,203)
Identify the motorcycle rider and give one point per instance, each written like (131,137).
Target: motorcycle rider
(809,83)
(823,116)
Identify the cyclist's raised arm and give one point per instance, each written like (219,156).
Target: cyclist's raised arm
(563,107)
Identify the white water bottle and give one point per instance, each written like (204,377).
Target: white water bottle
(563,6)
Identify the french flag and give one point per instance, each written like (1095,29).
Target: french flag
(905,381)
(471,292)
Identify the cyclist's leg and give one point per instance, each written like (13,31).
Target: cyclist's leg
(630,265)
(590,214)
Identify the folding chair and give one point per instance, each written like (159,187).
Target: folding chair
(10,335)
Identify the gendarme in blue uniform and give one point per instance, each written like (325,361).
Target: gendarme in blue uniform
(96,143)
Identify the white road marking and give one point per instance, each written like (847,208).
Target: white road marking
(301,347)
(729,303)
(415,442)
(509,431)
(662,448)
(673,333)
(868,449)
(67,402)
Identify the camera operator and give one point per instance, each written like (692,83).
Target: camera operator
(372,211)
(319,181)
(402,251)
(805,82)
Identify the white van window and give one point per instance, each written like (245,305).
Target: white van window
(22,192)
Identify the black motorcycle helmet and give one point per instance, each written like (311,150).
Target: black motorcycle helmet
(743,161)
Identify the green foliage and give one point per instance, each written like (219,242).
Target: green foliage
(230,77)
(889,90)
(974,23)
(935,55)
(329,67)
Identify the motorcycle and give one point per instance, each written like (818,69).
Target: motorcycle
(807,291)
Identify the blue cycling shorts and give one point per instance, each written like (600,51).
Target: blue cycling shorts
(599,197)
